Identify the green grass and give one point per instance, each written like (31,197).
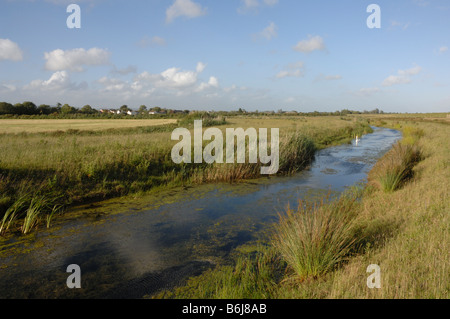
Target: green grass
(30,211)
(396,167)
(255,274)
(325,254)
(315,238)
(80,165)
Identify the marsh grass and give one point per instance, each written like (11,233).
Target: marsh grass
(396,167)
(14,212)
(30,210)
(315,238)
(79,165)
(296,152)
(253,275)
(404,232)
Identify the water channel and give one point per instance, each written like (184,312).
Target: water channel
(135,247)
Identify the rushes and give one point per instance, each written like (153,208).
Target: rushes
(32,210)
(296,153)
(396,167)
(314,239)
(13,212)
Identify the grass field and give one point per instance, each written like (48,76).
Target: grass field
(399,221)
(47,164)
(15,126)
(323,251)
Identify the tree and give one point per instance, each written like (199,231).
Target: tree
(44,109)
(67,109)
(6,108)
(30,108)
(87,109)
(142,109)
(124,109)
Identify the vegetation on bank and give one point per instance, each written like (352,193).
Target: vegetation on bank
(322,250)
(40,173)
(30,110)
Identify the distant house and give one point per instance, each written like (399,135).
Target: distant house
(155,113)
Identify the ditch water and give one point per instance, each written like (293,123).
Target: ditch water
(136,247)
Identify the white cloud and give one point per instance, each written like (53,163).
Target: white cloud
(422,3)
(369,91)
(58,81)
(443,49)
(403,77)
(7,88)
(396,79)
(184,8)
(252,5)
(124,71)
(315,43)
(269,32)
(75,59)
(333,77)
(153,42)
(271,2)
(173,77)
(200,67)
(401,25)
(10,50)
(323,77)
(292,70)
(212,83)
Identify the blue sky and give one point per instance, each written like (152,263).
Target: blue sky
(228,54)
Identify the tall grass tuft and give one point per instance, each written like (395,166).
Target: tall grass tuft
(396,167)
(30,210)
(296,153)
(315,238)
(14,212)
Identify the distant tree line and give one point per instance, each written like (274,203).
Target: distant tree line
(29,109)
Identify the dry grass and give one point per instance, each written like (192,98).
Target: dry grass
(414,226)
(15,126)
(396,167)
(84,164)
(315,238)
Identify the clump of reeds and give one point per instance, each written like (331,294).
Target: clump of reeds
(396,167)
(30,210)
(315,238)
(296,153)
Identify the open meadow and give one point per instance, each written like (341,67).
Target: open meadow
(14,126)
